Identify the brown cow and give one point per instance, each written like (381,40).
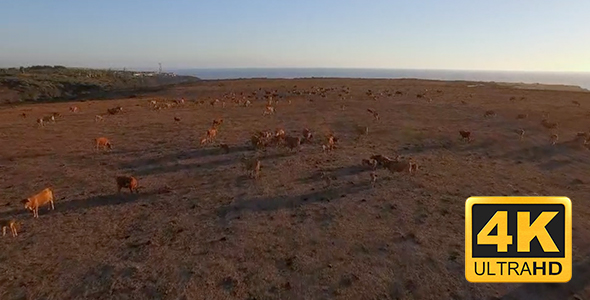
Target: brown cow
(489,113)
(375,114)
(402,166)
(373,179)
(268,110)
(372,163)
(127,182)
(307,136)
(102,142)
(217,123)
(382,160)
(554,138)
(115,110)
(34,202)
(465,135)
(252,166)
(549,125)
(5,224)
(521,133)
(257,142)
(293,143)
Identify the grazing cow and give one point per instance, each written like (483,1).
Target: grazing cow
(34,202)
(382,160)
(252,166)
(402,166)
(292,143)
(23,115)
(211,133)
(177,119)
(102,142)
(49,119)
(115,110)
(74,109)
(554,138)
(268,110)
(373,179)
(307,136)
(331,145)
(522,116)
(40,122)
(465,135)
(257,142)
(576,103)
(217,122)
(520,133)
(209,136)
(280,133)
(5,224)
(549,125)
(371,163)
(264,134)
(127,182)
(582,137)
(375,114)
(98,118)
(489,113)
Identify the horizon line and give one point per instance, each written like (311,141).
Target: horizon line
(373,68)
(301,68)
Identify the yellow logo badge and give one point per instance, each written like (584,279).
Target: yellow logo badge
(518,239)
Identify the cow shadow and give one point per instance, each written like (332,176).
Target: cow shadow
(83,203)
(162,166)
(185,155)
(550,157)
(273,203)
(449,144)
(580,279)
(335,172)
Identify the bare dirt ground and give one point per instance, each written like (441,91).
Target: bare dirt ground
(216,234)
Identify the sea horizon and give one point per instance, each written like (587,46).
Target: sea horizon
(581,79)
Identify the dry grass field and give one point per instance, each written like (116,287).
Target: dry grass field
(200,228)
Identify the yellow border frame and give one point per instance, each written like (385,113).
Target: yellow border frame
(566,274)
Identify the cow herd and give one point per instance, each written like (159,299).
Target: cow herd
(263,139)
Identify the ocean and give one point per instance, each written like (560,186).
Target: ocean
(577,79)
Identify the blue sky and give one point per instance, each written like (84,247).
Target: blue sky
(525,35)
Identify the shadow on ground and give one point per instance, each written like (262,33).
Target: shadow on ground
(580,278)
(84,203)
(173,163)
(278,202)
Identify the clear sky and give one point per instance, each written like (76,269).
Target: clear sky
(526,35)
